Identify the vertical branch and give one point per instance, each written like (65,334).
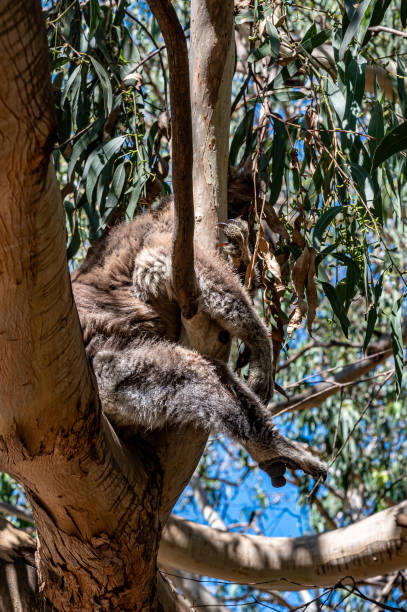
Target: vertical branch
(211,72)
(183,275)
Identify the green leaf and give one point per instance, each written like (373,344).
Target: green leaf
(116,188)
(97,161)
(401,77)
(74,243)
(286,95)
(83,142)
(278,151)
(243,130)
(378,13)
(355,19)
(355,87)
(394,142)
(376,126)
(336,98)
(397,342)
(364,182)
(337,307)
(314,40)
(372,316)
(134,198)
(270,48)
(105,84)
(323,222)
(403,13)
(74,75)
(371,322)
(94,17)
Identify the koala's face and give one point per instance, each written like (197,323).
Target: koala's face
(206,336)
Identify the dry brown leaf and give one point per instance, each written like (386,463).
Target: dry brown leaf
(269,259)
(274,222)
(250,270)
(311,290)
(298,238)
(299,279)
(296,317)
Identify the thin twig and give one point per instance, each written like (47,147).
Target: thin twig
(379,28)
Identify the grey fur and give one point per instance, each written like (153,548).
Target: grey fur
(139,345)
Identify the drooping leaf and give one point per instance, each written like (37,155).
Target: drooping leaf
(105,85)
(94,16)
(71,80)
(97,161)
(278,151)
(337,307)
(311,292)
(355,16)
(74,243)
(376,126)
(270,48)
(401,89)
(116,188)
(403,13)
(138,184)
(299,279)
(397,343)
(243,129)
(371,322)
(323,222)
(394,142)
(314,40)
(372,315)
(82,144)
(364,183)
(355,87)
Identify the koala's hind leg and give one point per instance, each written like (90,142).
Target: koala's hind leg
(156,383)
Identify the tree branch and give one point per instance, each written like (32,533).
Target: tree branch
(211,72)
(378,352)
(372,546)
(183,273)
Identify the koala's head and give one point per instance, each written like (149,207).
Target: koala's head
(236,249)
(206,336)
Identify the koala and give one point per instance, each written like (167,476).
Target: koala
(154,368)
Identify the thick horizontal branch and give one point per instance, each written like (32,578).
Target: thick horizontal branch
(372,546)
(378,352)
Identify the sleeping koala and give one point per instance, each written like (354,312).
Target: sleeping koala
(154,368)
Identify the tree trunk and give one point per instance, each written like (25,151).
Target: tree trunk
(95,504)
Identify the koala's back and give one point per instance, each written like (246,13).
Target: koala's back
(111,314)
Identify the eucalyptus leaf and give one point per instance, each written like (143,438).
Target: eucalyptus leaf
(355,17)
(75,74)
(397,343)
(96,162)
(323,222)
(104,83)
(394,142)
(337,306)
